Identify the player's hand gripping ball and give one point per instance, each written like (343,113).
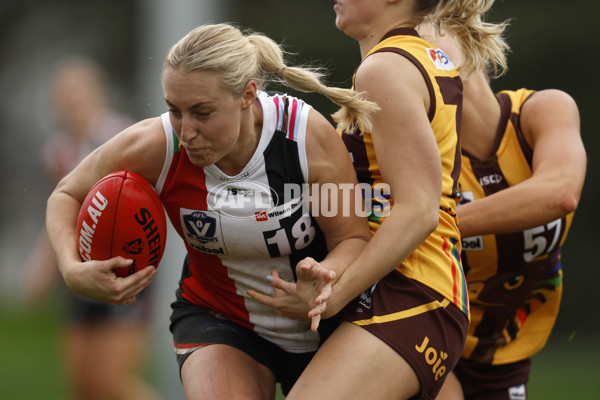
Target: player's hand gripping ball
(122,216)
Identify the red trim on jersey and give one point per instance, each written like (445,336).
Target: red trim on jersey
(454,282)
(292,121)
(190,345)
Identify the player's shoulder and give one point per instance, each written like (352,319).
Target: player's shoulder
(385,70)
(145,131)
(548,97)
(543,103)
(140,147)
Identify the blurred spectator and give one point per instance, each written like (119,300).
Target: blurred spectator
(104,345)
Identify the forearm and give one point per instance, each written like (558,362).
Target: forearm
(61,220)
(344,254)
(531,203)
(384,252)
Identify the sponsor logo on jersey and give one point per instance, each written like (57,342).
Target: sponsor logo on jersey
(517,392)
(491,179)
(261,216)
(473,243)
(440,59)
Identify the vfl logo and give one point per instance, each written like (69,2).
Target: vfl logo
(133,247)
(440,59)
(201,232)
(432,358)
(200,226)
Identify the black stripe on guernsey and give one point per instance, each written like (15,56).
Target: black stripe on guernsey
(504,100)
(282,165)
(400,32)
(411,58)
(451,90)
(356,147)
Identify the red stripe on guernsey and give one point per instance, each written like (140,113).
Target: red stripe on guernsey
(455,286)
(292,120)
(209,284)
(458,284)
(211,287)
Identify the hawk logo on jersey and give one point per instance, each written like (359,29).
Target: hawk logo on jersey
(440,59)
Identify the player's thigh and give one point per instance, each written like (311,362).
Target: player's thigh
(451,389)
(360,366)
(121,346)
(222,372)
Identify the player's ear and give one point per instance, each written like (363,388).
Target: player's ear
(249,94)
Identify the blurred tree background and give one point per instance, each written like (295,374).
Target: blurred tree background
(553,46)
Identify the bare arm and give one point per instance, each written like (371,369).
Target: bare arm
(329,164)
(550,123)
(410,163)
(140,148)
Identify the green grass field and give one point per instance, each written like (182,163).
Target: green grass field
(30,364)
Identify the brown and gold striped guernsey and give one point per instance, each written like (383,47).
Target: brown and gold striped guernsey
(514,280)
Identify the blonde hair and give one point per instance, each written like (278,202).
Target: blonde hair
(243,56)
(481,43)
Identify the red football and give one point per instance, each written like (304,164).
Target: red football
(122,216)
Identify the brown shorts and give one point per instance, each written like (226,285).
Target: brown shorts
(493,382)
(417,322)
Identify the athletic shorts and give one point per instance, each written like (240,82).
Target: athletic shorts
(417,322)
(195,326)
(83,310)
(493,382)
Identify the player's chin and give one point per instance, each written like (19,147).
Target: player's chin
(201,157)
